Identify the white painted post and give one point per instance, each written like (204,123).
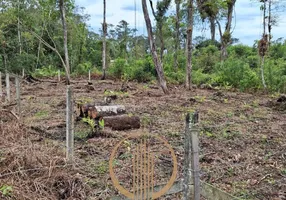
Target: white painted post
(8,99)
(191,159)
(1,92)
(59,75)
(69,126)
(88,75)
(23,72)
(18,95)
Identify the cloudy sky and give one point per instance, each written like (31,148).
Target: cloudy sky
(247,22)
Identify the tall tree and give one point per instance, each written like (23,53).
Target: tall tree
(209,10)
(104,30)
(226,35)
(189,43)
(263,43)
(162,7)
(18,28)
(157,62)
(123,36)
(177,40)
(63,18)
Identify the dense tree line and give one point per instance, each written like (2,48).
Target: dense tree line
(32,37)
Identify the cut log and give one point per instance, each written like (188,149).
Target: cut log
(122,122)
(95,112)
(110,110)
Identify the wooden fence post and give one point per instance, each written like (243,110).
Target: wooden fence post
(191,158)
(1,92)
(59,75)
(89,76)
(195,155)
(69,126)
(23,72)
(18,95)
(8,87)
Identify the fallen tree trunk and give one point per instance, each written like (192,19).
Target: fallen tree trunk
(96,112)
(110,110)
(122,122)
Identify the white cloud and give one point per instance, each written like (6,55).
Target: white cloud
(247,21)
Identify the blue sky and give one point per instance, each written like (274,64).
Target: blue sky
(247,22)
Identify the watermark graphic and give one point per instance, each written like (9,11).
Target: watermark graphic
(142,165)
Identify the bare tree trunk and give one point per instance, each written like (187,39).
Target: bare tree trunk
(263,38)
(104,30)
(269,22)
(4,61)
(63,17)
(226,36)
(18,27)
(177,40)
(4,57)
(39,49)
(157,63)
(161,42)
(189,44)
(212,27)
(262,71)
(264,15)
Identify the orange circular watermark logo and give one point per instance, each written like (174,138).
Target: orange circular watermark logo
(142,167)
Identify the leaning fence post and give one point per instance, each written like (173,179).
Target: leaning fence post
(191,158)
(69,126)
(18,95)
(8,87)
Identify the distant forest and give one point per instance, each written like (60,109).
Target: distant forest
(44,36)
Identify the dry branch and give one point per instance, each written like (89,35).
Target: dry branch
(11,112)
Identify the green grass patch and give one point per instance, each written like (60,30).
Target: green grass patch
(42,114)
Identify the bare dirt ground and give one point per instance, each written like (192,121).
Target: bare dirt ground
(242,140)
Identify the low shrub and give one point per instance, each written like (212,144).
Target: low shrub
(48,71)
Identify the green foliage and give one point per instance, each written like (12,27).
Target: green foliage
(130,52)
(20,61)
(83,68)
(253,61)
(90,122)
(206,58)
(118,67)
(278,49)
(81,134)
(206,43)
(200,78)
(275,75)
(102,168)
(47,72)
(141,70)
(41,114)
(6,190)
(101,123)
(240,51)
(238,74)
(175,77)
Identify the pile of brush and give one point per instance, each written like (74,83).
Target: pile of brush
(32,168)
